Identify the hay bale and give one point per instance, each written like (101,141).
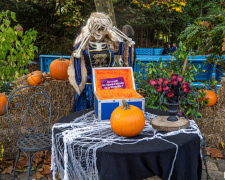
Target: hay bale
(212,125)
(61,95)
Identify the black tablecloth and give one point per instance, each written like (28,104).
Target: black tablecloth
(148,158)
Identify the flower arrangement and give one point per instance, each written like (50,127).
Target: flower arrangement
(174,87)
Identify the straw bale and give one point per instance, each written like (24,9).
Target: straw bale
(61,95)
(212,125)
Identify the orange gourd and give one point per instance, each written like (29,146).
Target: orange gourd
(127,120)
(34,78)
(3,102)
(209,94)
(58,68)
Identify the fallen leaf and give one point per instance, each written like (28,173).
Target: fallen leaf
(223,144)
(8,170)
(46,169)
(37,160)
(22,163)
(40,170)
(9,162)
(215,153)
(223,153)
(34,165)
(38,157)
(47,159)
(39,175)
(57,177)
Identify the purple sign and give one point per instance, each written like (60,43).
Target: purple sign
(113,83)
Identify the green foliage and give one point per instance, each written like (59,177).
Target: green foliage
(163,69)
(6,88)
(57,22)
(207,34)
(16,48)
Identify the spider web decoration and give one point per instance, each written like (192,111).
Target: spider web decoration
(74,148)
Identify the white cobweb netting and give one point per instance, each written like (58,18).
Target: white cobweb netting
(74,148)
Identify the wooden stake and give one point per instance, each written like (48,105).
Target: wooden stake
(184,67)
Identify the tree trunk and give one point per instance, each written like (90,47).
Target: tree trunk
(106,6)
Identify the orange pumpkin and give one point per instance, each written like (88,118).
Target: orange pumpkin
(3,102)
(127,120)
(58,68)
(34,78)
(209,94)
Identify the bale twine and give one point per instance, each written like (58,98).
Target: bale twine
(61,95)
(212,125)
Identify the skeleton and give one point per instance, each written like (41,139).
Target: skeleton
(97,25)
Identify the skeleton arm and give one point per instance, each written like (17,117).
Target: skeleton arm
(121,34)
(83,42)
(92,28)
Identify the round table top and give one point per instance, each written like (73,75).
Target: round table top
(148,158)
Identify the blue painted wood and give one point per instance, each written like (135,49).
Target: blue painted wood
(144,51)
(219,75)
(158,51)
(204,75)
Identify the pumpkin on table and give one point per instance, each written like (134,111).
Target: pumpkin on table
(34,78)
(209,94)
(127,120)
(3,102)
(58,68)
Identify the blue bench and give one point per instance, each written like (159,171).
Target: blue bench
(206,72)
(148,51)
(204,75)
(143,51)
(158,51)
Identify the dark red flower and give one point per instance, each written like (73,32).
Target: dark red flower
(165,87)
(160,80)
(170,80)
(165,81)
(174,76)
(187,90)
(174,82)
(170,93)
(158,87)
(152,82)
(184,86)
(180,78)
(185,83)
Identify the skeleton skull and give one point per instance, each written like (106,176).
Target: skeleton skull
(98,34)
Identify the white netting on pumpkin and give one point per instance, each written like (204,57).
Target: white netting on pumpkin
(74,148)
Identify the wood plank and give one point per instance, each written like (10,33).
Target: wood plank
(162,124)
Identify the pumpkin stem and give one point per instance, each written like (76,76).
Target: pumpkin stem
(125,105)
(61,58)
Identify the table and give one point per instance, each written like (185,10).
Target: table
(148,158)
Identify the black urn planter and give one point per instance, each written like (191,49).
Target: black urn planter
(172,110)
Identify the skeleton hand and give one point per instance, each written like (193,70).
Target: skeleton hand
(131,42)
(99,21)
(124,36)
(93,27)
(76,54)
